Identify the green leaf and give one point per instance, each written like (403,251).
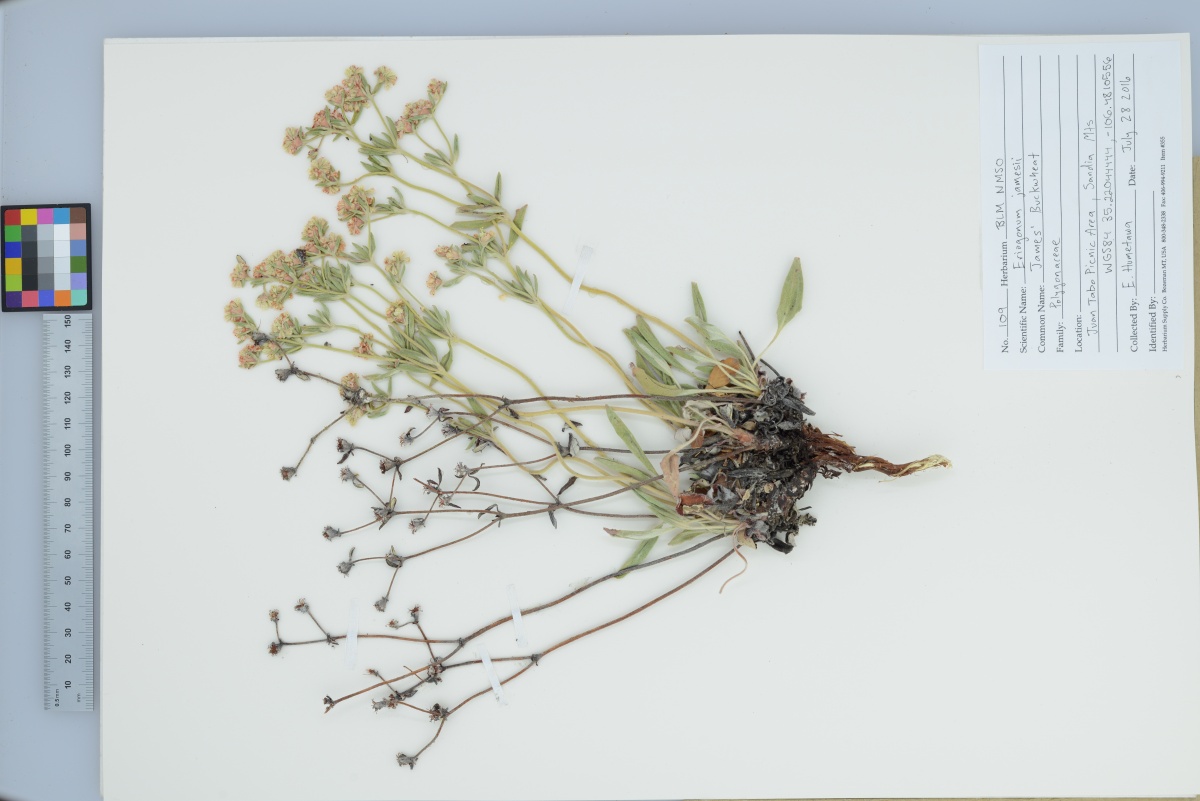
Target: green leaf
(648,357)
(687,535)
(793,294)
(639,555)
(617,466)
(454,148)
(471,225)
(659,508)
(648,334)
(698,303)
(518,220)
(715,338)
(652,387)
(627,437)
(635,534)
(496,193)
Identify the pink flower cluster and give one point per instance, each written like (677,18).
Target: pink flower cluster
(355,207)
(325,175)
(240,274)
(351,94)
(414,114)
(394,313)
(243,326)
(385,78)
(318,240)
(393,265)
(293,140)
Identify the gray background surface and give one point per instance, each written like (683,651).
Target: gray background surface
(50,151)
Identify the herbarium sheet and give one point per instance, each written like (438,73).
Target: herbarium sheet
(615,425)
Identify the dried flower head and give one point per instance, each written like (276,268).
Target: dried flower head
(384,78)
(293,140)
(325,176)
(355,206)
(433,282)
(234,312)
(285,327)
(365,345)
(248,356)
(394,313)
(240,274)
(394,264)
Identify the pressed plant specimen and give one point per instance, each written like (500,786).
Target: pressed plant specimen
(730,471)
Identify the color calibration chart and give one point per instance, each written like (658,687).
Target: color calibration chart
(47,257)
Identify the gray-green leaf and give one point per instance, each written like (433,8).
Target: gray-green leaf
(698,303)
(627,437)
(639,556)
(635,534)
(793,294)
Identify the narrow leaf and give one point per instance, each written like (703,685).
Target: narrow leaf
(518,220)
(470,225)
(648,355)
(629,534)
(617,466)
(627,437)
(793,294)
(648,334)
(496,193)
(653,387)
(686,536)
(639,556)
(698,303)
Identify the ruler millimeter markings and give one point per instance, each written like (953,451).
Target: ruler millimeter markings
(67,502)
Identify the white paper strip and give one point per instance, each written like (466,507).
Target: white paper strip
(586,253)
(493,677)
(518,621)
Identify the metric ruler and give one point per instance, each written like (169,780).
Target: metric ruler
(68,619)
